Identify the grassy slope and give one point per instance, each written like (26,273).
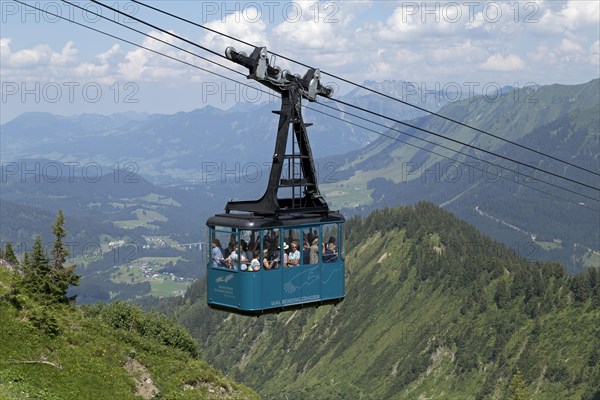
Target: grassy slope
(404,335)
(89,360)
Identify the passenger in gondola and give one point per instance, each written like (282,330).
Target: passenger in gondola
(272,250)
(232,260)
(305,252)
(330,254)
(227,252)
(255,264)
(281,257)
(266,263)
(232,241)
(244,259)
(314,252)
(246,252)
(217,254)
(294,255)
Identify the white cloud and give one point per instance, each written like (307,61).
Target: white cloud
(569,46)
(38,56)
(30,58)
(109,54)
(68,55)
(543,54)
(578,13)
(465,52)
(134,64)
(499,63)
(102,71)
(241,25)
(41,63)
(141,64)
(91,70)
(5,50)
(378,69)
(572,16)
(312,36)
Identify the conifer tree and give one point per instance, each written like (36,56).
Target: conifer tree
(59,253)
(501,297)
(62,276)
(36,271)
(9,255)
(581,287)
(25,260)
(517,387)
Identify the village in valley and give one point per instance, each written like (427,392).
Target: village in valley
(160,271)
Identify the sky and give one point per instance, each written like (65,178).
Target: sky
(466,47)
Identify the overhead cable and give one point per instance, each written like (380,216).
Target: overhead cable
(372,90)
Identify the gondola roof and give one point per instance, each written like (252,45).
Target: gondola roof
(252,221)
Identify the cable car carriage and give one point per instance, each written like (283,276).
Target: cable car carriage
(284,250)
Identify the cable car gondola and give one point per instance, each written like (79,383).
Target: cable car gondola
(284,250)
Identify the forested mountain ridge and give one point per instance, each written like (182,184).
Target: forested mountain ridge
(101,352)
(433,310)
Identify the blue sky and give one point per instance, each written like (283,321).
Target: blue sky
(53,65)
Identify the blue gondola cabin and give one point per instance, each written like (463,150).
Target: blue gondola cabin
(260,264)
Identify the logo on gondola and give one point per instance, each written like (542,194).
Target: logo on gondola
(224,279)
(312,277)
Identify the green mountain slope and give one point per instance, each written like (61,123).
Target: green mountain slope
(111,352)
(433,310)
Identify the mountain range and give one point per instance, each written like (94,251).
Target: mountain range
(205,157)
(178,148)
